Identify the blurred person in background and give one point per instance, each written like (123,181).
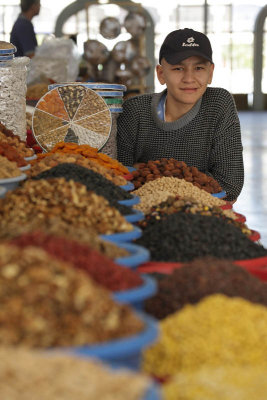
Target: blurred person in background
(22,35)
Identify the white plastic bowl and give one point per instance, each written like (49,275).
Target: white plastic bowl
(12,183)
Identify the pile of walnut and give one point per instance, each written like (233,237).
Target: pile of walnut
(179,169)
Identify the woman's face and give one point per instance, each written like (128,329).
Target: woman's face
(187,81)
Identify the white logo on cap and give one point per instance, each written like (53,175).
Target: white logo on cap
(190,42)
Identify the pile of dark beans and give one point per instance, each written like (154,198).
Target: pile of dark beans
(184,237)
(203,277)
(93,181)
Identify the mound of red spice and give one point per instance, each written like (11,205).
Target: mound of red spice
(100,268)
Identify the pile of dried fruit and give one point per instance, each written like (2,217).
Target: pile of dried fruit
(152,170)
(43,164)
(12,154)
(175,204)
(184,237)
(19,145)
(91,153)
(203,277)
(45,302)
(67,200)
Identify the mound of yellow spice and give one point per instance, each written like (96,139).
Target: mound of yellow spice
(217,331)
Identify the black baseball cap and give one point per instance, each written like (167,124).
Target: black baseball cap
(183,43)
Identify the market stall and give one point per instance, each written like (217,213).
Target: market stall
(149,271)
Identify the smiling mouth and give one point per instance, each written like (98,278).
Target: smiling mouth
(189,89)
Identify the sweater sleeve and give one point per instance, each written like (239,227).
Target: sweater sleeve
(127,132)
(226,157)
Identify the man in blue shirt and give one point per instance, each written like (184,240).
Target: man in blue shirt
(22,34)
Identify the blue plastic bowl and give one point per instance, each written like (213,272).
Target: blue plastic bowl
(92,85)
(123,236)
(130,202)
(136,216)
(131,169)
(129,186)
(136,296)
(138,255)
(153,393)
(120,353)
(220,195)
(12,183)
(2,192)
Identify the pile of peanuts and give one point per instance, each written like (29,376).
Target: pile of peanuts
(152,170)
(155,192)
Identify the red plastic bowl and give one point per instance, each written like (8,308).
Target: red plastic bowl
(255,236)
(240,218)
(256,266)
(226,206)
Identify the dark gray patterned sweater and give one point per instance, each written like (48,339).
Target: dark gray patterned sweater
(207,137)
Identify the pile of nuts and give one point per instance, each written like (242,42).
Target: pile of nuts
(61,377)
(47,303)
(68,200)
(100,268)
(58,227)
(53,159)
(93,181)
(8,169)
(155,192)
(152,170)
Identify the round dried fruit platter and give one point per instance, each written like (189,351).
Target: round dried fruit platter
(71,113)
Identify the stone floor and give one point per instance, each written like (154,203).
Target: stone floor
(252,201)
